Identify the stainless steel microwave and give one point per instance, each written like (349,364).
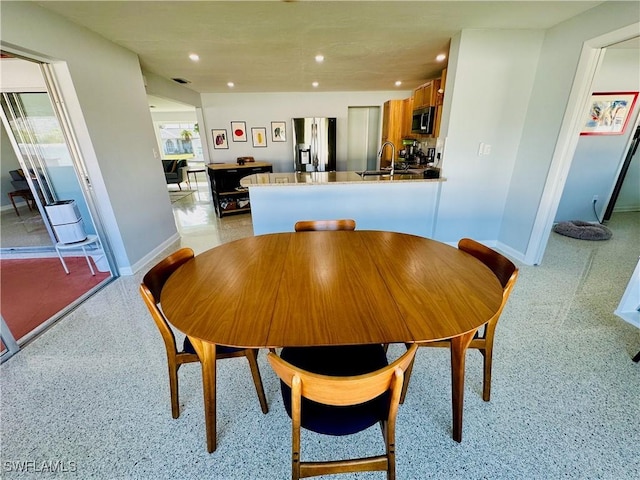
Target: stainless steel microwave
(423,120)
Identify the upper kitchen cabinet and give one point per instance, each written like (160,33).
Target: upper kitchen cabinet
(439,100)
(423,96)
(430,94)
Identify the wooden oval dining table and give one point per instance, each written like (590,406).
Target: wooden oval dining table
(330,288)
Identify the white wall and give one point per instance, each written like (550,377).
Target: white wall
(103,88)
(553,82)
(598,158)
(488,91)
(260,109)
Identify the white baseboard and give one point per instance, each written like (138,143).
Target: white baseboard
(144,261)
(626,209)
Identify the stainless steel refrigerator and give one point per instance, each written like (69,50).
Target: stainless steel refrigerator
(314,144)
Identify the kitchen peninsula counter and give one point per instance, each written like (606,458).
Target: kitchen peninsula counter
(405,203)
(320,178)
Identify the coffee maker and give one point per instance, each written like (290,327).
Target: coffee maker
(410,148)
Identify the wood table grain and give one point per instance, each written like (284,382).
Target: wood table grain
(330,288)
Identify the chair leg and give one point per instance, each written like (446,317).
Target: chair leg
(173,387)
(13,202)
(407,377)
(487,353)
(458,353)
(637,357)
(390,443)
(252,356)
(64,265)
(296,406)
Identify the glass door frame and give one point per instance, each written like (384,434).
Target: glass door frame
(52,90)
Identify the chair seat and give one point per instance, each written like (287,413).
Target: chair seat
(339,361)
(187,347)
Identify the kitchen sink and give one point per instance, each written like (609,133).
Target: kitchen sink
(387,173)
(373,172)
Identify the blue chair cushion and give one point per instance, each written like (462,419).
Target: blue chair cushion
(338,361)
(187,347)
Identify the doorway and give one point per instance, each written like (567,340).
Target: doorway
(590,60)
(45,167)
(363,138)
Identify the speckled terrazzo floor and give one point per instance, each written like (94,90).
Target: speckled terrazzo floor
(92,393)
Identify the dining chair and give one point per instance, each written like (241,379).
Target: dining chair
(341,390)
(150,289)
(507,273)
(314,225)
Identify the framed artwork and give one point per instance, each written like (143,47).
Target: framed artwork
(239,131)
(609,113)
(278,132)
(259,135)
(220,140)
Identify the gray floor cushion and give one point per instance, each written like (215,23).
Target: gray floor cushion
(583,230)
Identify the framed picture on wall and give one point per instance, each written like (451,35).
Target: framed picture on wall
(609,113)
(220,140)
(278,132)
(259,135)
(239,131)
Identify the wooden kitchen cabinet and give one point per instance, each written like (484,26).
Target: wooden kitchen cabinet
(442,81)
(227,194)
(407,118)
(428,94)
(423,96)
(393,120)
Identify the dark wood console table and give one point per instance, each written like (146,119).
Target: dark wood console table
(227,194)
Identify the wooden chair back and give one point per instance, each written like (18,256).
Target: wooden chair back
(315,225)
(155,278)
(150,290)
(343,391)
(506,273)
(501,266)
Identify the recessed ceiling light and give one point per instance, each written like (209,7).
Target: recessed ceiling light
(194,57)
(398,83)
(315,84)
(230,84)
(441,57)
(319,58)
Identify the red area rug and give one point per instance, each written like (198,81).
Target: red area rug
(33,290)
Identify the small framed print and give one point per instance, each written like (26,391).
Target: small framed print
(239,131)
(278,132)
(259,135)
(609,113)
(220,140)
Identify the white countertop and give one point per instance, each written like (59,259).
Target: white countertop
(333,178)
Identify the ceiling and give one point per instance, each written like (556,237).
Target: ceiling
(269,46)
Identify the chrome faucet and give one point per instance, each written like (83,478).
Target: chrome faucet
(393,154)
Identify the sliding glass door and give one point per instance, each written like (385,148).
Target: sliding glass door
(50,171)
(43,156)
